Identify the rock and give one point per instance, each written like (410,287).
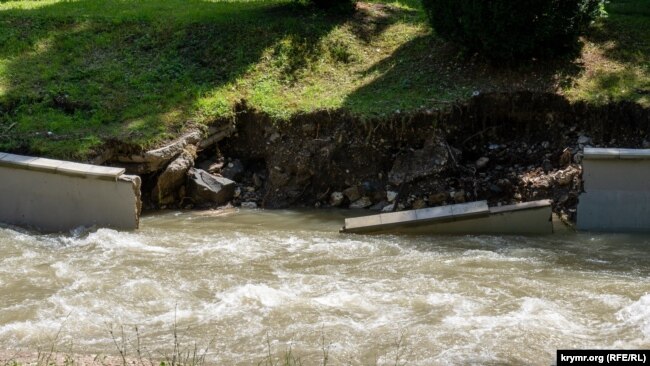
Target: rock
(419,203)
(577,158)
(495,189)
(437,198)
(431,159)
(249,205)
(257,181)
(565,158)
(645,144)
(274,136)
(237,192)
(379,206)
(233,170)
(336,199)
(545,144)
(459,197)
(204,187)
(583,140)
(362,202)
(352,193)
(172,178)
(391,195)
(389,208)
(547,166)
(482,162)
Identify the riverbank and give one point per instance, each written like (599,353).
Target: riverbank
(505,148)
(300,108)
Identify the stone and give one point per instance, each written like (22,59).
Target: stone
(411,165)
(274,136)
(419,203)
(391,196)
(172,178)
(249,205)
(482,162)
(362,202)
(233,170)
(459,197)
(547,166)
(336,199)
(352,193)
(389,208)
(257,181)
(204,187)
(583,140)
(379,206)
(545,144)
(437,198)
(565,158)
(495,189)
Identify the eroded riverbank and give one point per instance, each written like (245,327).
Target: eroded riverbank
(236,277)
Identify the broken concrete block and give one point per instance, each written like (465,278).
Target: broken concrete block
(204,187)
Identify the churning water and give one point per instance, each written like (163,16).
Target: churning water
(260,281)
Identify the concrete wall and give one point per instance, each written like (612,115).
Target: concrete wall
(617,191)
(54,195)
(529,218)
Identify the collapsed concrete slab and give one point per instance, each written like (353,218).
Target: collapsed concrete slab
(54,195)
(616,194)
(466,218)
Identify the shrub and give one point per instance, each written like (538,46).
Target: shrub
(512,29)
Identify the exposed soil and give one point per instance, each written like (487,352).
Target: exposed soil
(504,148)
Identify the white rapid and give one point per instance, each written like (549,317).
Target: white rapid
(247,283)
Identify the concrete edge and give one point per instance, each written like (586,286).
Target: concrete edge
(521,206)
(415,217)
(60,167)
(616,153)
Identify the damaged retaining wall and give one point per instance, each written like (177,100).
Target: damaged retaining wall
(53,195)
(617,190)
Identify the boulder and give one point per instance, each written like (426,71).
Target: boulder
(204,187)
(362,202)
(336,199)
(391,195)
(431,159)
(352,193)
(172,178)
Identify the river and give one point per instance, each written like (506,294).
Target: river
(246,283)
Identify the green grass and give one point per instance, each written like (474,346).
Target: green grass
(76,73)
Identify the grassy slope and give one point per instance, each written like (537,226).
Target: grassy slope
(141,71)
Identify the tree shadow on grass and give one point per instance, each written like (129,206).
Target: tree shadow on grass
(89,70)
(620,54)
(428,73)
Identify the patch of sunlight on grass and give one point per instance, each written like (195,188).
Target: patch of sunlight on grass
(28,4)
(610,81)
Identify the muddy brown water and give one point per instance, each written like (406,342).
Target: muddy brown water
(254,281)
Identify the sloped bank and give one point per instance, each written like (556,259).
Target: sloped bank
(504,148)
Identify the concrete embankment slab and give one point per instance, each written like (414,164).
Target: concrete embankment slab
(468,218)
(54,195)
(617,190)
